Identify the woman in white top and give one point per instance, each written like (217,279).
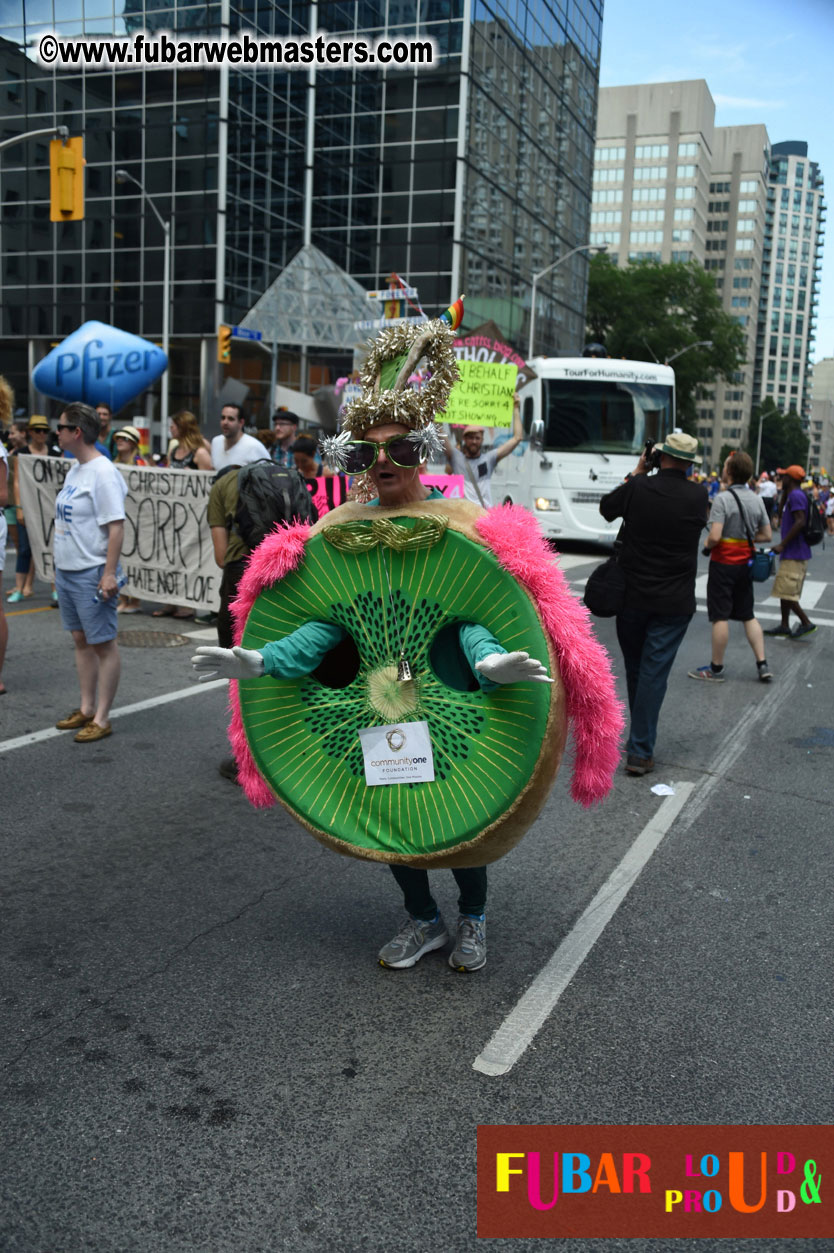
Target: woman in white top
(89,532)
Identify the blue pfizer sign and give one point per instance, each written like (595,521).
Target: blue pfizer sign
(100,364)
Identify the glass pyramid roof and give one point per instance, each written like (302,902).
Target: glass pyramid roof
(312,302)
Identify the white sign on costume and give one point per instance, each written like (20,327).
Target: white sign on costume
(167,552)
(399,752)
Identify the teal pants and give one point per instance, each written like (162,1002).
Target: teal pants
(419,902)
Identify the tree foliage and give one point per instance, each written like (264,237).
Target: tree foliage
(650,311)
(784,443)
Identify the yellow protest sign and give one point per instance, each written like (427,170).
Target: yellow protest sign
(484,395)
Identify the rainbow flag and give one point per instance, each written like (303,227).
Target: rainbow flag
(454,314)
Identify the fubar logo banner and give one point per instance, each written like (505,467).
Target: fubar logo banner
(653,1182)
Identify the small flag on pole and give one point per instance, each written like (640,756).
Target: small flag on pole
(454,314)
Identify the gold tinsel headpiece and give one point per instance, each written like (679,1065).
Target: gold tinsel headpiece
(386,397)
(397,352)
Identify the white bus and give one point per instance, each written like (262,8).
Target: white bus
(587,420)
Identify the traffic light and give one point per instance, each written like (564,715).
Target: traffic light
(224,344)
(66,180)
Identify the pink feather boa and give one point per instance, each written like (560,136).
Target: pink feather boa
(276,557)
(595,713)
(513,535)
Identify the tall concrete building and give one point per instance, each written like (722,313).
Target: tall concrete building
(736,233)
(468,176)
(793,258)
(821,422)
(652,164)
(669,185)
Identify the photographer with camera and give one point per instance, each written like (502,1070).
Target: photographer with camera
(664,514)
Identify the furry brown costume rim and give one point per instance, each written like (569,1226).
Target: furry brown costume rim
(505,832)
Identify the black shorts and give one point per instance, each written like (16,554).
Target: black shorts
(729,593)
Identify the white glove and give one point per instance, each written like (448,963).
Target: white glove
(227,663)
(512,668)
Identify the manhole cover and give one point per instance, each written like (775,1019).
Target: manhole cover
(151,639)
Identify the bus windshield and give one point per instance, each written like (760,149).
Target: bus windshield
(594,415)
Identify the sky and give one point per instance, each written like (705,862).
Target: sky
(764,61)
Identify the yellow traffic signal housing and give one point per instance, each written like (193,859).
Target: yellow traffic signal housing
(66,180)
(224,344)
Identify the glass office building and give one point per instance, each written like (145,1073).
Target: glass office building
(468,176)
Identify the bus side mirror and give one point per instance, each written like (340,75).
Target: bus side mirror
(537,435)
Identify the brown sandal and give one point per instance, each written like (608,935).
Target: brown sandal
(74,720)
(92,731)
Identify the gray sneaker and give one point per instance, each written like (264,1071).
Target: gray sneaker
(469,952)
(412,942)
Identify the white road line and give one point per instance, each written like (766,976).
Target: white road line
(537,1004)
(812,589)
(759,720)
(567,561)
(763,611)
(36,737)
(522,1024)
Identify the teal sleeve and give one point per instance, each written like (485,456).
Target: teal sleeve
(302,651)
(477,643)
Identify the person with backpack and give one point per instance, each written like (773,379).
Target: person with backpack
(244,504)
(799,532)
(738,519)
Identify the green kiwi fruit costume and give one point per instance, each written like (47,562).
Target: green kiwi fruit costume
(387,610)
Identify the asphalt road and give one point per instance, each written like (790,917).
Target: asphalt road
(200,1051)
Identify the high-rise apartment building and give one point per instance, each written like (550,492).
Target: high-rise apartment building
(793,258)
(468,176)
(671,186)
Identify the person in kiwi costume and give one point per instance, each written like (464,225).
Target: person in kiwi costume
(490,663)
(386,437)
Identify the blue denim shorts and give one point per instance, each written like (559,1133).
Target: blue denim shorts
(76,589)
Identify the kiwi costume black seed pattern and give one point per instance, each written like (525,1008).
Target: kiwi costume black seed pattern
(487,746)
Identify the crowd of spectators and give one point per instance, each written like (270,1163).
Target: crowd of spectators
(187,449)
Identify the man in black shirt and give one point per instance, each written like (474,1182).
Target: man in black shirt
(664,516)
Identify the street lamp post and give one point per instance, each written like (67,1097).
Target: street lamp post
(541,274)
(762,417)
(122,176)
(701,343)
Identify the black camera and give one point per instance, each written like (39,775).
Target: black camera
(651,455)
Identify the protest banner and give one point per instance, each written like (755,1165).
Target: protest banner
(451,485)
(484,395)
(332,490)
(487,343)
(167,553)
